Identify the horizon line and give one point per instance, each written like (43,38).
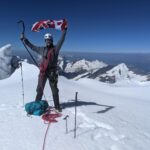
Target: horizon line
(106,52)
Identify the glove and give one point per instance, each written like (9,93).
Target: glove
(66,24)
(22,36)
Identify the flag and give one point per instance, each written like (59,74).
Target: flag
(44,24)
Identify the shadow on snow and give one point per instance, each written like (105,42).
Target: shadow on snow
(71,103)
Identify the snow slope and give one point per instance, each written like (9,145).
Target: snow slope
(110,117)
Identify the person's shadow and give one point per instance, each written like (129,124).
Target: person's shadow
(71,103)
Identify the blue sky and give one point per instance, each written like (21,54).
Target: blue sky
(97,25)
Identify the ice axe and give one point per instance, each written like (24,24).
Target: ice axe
(23,31)
(23,26)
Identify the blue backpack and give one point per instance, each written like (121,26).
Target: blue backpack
(36,108)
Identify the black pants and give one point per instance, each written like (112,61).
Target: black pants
(53,80)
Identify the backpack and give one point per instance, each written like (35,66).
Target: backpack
(36,108)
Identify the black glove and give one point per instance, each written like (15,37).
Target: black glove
(22,36)
(66,24)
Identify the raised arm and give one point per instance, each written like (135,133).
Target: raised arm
(35,48)
(61,40)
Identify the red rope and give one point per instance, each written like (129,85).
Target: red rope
(49,117)
(45,136)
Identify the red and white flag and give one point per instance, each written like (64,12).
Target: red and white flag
(44,24)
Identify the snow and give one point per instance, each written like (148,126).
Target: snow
(109,116)
(99,70)
(61,62)
(84,65)
(8,62)
(122,72)
(5,58)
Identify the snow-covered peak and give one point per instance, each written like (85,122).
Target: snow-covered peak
(122,66)
(5,47)
(5,50)
(8,63)
(97,70)
(119,70)
(84,65)
(122,72)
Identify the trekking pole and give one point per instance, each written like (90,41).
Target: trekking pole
(66,117)
(22,82)
(75,122)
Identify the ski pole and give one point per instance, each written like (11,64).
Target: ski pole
(75,122)
(22,82)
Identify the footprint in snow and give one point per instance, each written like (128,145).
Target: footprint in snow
(114,147)
(91,123)
(104,130)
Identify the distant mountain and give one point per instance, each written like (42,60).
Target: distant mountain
(97,70)
(75,69)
